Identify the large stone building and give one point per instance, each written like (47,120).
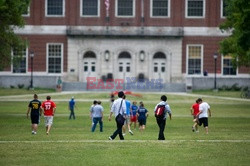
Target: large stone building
(131,40)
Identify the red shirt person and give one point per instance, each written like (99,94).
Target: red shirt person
(49,108)
(194,111)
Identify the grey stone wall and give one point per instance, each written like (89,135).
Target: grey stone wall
(38,81)
(201,83)
(140,87)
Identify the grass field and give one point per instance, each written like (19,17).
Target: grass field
(72,143)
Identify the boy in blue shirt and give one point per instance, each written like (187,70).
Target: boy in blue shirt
(72,108)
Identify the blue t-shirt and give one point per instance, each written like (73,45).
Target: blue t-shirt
(72,104)
(134,110)
(142,113)
(128,107)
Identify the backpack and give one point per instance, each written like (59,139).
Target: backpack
(159,112)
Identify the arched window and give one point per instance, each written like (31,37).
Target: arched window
(124,55)
(89,54)
(159,55)
(159,62)
(89,62)
(124,65)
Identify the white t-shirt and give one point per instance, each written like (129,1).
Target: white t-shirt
(203,108)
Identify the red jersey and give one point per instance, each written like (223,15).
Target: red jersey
(195,108)
(48,107)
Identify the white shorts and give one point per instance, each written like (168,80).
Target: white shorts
(48,120)
(127,120)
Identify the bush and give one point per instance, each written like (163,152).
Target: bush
(20,86)
(235,87)
(12,86)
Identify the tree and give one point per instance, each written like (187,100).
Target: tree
(10,18)
(238,22)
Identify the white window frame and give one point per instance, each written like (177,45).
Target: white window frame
(26,56)
(221,9)
(28,14)
(186,10)
(98,10)
(47,57)
(46,10)
(151,10)
(116,10)
(222,67)
(187,57)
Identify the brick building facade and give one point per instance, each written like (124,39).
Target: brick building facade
(171,40)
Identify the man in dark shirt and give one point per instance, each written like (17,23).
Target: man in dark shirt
(35,113)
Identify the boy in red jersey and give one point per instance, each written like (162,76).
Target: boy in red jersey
(49,108)
(194,111)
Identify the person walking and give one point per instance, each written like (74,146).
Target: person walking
(97,115)
(133,117)
(127,120)
(204,112)
(49,109)
(90,111)
(118,107)
(72,106)
(161,120)
(142,114)
(194,111)
(34,108)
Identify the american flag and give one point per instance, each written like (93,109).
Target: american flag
(107,4)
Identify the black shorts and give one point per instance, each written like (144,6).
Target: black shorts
(203,121)
(35,119)
(142,122)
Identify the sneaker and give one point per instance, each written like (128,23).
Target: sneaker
(123,134)
(110,138)
(131,132)
(197,131)
(193,129)
(32,132)
(47,133)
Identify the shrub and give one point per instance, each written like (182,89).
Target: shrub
(20,86)
(235,87)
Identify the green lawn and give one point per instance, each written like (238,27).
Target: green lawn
(72,143)
(224,93)
(16,91)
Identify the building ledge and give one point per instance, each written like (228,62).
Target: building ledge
(117,31)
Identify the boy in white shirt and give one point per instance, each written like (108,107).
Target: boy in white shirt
(204,111)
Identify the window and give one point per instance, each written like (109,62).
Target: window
(85,66)
(93,66)
(26,13)
(90,7)
(160,8)
(155,67)
(124,62)
(120,67)
(55,54)
(195,8)
(223,8)
(162,67)
(194,59)
(128,67)
(19,61)
(55,7)
(125,8)
(228,68)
